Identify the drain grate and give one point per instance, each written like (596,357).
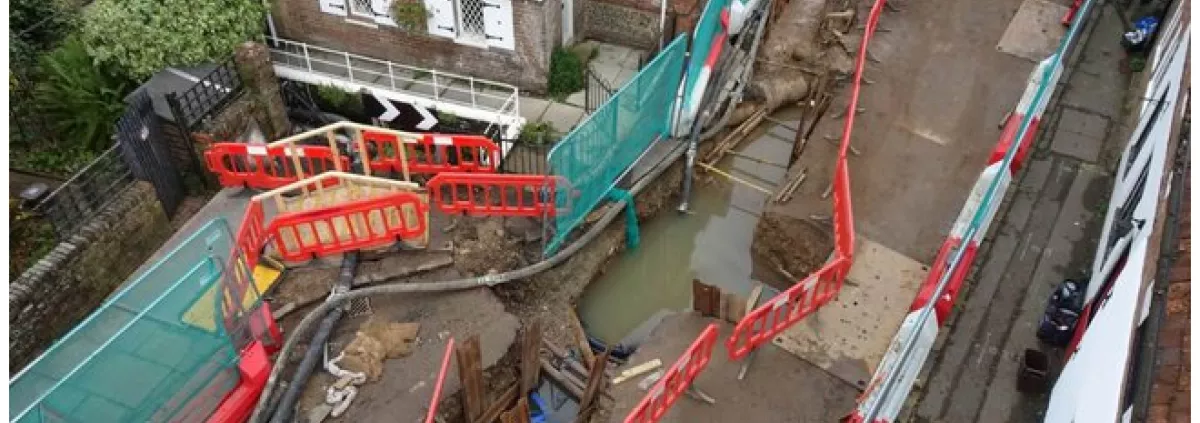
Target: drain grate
(359,307)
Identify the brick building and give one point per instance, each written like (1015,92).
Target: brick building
(508,41)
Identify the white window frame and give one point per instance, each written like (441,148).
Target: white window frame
(461,35)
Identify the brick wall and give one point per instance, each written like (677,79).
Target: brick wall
(527,67)
(635,23)
(60,290)
(1170,394)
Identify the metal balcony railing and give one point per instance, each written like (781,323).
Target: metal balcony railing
(475,98)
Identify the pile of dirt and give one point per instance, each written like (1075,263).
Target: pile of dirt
(798,246)
(376,341)
(486,249)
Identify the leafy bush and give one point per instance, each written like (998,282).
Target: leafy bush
(340,101)
(81,100)
(410,15)
(140,37)
(53,159)
(32,238)
(566,73)
(36,25)
(538,133)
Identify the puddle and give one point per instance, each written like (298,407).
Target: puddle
(711,245)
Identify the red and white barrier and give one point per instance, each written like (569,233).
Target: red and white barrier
(887,403)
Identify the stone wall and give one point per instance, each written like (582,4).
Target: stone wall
(527,67)
(69,283)
(634,23)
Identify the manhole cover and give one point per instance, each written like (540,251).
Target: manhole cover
(359,307)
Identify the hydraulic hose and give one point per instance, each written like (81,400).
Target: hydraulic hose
(287,404)
(336,300)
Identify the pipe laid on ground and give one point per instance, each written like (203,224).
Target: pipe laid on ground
(454,285)
(287,404)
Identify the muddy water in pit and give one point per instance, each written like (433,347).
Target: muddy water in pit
(711,245)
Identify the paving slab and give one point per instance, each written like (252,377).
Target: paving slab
(611,54)
(532,108)
(608,72)
(562,116)
(1080,135)
(849,336)
(577,99)
(1035,31)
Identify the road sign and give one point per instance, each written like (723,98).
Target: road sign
(390,112)
(427,119)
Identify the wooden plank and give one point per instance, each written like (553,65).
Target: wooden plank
(585,349)
(518,414)
(563,379)
(637,370)
(493,411)
(588,403)
(530,347)
(470,372)
(705,299)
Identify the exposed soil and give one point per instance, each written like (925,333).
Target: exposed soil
(798,246)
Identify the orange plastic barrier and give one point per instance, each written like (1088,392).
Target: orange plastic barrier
(483,194)
(432,153)
(262,167)
(676,380)
(351,226)
(763,323)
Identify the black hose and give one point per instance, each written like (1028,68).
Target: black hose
(287,403)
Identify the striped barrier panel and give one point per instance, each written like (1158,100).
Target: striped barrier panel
(432,153)
(676,380)
(398,216)
(482,194)
(264,167)
(761,325)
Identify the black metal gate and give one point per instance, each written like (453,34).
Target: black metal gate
(140,135)
(596,92)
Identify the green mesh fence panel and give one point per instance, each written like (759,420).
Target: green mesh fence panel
(600,150)
(155,351)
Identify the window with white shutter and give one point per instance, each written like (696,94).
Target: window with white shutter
(362,9)
(471,22)
(383,12)
(498,23)
(441,21)
(333,7)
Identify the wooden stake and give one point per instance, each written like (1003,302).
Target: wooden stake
(589,359)
(530,346)
(470,372)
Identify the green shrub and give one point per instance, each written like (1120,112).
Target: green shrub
(340,101)
(140,37)
(410,15)
(32,238)
(566,73)
(538,133)
(447,118)
(82,101)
